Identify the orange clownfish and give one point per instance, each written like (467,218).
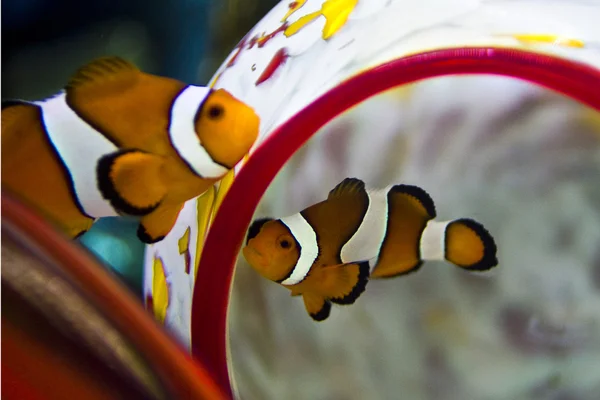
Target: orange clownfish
(118,141)
(327,252)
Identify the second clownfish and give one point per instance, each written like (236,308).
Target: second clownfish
(329,251)
(118,141)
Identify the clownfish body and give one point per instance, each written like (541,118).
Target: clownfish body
(118,141)
(327,252)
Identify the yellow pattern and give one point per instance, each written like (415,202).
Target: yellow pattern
(549,39)
(184,241)
(294,6)
(184,249)
(336,13)
(224,186)
(160,290)
(301,23)
(204,206)
(208,205)
(215,79)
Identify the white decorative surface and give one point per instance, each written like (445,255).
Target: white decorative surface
(375,32)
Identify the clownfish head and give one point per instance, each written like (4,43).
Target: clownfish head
(271,249)
(226,127)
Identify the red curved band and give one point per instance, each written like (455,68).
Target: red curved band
(186,379)
(211,293)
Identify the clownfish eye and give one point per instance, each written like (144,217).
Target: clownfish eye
(216,111)
(285,243)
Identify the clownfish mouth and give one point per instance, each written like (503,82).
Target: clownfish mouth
(254,257)
(253,250)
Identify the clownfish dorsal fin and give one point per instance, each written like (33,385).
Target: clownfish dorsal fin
(106,73)
(349,186)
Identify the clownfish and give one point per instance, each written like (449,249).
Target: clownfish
(328,252)
(118,141)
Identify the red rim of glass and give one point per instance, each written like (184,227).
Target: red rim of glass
(211,293)
(185,377)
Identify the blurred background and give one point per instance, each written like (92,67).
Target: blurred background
(522,160)
(45,41)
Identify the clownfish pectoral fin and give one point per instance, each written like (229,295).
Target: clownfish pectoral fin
(131,181)
(349,186)
(156,225)
(470,246)
(344,283)
(103,75)
(317,306)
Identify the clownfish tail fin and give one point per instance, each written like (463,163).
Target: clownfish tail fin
(466,244)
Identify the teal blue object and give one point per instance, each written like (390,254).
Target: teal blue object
(114,241)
